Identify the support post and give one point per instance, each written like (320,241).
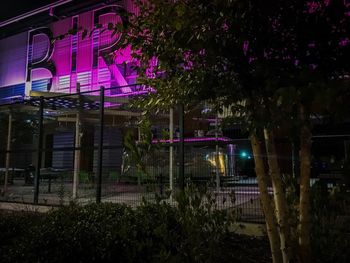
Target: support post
(346,143)
(217,161)
(8,149)
(171,153)
(139,141)
(231,149)
(293,160)
(39,151)
(181,148)
(100,147)
(77,143)
(76,156)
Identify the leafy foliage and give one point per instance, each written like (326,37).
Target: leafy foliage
(24,126)
(330,237)
(259,58)
(154,232)
(274,64)
(139,150)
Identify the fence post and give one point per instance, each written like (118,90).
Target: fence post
(77,152)
(39,151)
(171,152)
(217,161)
(8,148)
(100,146)
(161,184)
(181,148)
(76,157)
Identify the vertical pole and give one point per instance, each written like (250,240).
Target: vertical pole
(139,134)
(231,160)
(346,150)
(77,148)
(293,160)
(8,148)
(217,161)
(100,146)
(139,141)
(76,156)
(39,151)
(181,148)
(171,152)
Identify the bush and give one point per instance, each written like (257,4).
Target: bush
(14,225)
(194,231)
(330,240)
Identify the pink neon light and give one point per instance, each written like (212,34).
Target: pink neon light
(140,92)
(117,75)
(63,77)
(104,40)
(130,93)
(196,139)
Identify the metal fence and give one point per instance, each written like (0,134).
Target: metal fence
(58,148)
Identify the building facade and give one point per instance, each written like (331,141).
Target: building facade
(38,58)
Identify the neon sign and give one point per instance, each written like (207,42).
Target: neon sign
(31,61)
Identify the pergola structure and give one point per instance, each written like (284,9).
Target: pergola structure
(73,108)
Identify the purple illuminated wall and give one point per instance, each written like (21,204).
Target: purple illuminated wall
(29,61)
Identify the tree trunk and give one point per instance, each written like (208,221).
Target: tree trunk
(304,217)
(271,225)
(281,207)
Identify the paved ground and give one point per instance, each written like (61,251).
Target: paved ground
(243,198)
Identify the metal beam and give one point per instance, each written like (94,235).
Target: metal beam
(171,153)
(217,161)
(100,148)
(181,149)
(60,95)
(8,149)
(39,151)
(77,153)
(33,12)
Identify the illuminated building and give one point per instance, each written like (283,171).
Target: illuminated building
(39,58)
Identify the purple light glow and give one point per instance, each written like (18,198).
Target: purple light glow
(195,139)
(111,104)
(344,42)
(73,59)
(245,47)
(313,6)
(131,93)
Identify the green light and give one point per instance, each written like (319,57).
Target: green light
(244,154)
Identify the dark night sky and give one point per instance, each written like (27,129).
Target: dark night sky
(11,8)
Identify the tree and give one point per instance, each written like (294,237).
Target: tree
(274,63)
(24,125)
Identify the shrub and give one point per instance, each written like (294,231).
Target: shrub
(194,231)
(330,240)
(15,224)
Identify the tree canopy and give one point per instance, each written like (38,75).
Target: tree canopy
(270,62)
(231,51)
